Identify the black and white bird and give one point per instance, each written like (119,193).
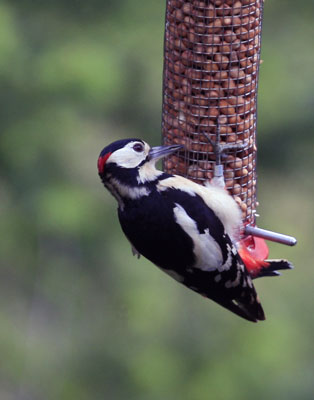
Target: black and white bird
(188,230)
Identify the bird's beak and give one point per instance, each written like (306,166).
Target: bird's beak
(156,153)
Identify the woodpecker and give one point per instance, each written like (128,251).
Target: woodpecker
(188,230)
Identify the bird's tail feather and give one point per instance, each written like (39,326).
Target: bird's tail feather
(272,267)
(251,312)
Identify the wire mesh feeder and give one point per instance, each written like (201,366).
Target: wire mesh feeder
(211,64)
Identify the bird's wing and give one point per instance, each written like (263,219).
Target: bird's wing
(212,245)
(217,199)
(218,272)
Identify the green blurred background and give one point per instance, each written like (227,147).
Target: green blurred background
(80,318)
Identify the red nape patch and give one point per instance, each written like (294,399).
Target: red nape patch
(102,161)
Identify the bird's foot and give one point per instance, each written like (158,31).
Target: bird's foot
(135,252)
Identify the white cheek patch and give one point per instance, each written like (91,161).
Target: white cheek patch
(206,249)
(127,157)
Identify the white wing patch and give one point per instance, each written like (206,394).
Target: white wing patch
(215,198)
(206,249)
(183,184)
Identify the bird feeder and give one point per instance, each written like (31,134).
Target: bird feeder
(210,80)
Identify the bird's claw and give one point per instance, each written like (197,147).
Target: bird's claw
(135,252)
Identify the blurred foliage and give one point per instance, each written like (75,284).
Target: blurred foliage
(80,318)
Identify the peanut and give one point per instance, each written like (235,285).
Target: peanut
(212,56)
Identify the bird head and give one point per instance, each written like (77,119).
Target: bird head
(132,161)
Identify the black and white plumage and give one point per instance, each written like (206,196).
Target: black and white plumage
(186,229)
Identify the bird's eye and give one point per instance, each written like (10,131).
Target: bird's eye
(138,147)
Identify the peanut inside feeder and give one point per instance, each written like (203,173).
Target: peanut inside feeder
(212,56)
